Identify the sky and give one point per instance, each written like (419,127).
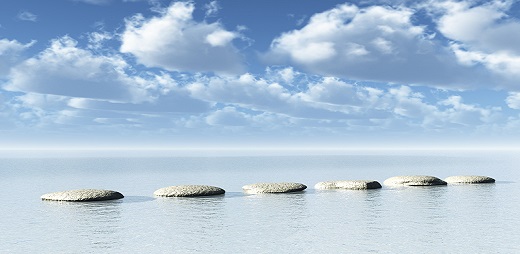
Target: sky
(259,73)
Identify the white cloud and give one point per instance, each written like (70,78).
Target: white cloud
(251,104)
(483,27)
(409,104)
(228,116)
(237,118)
(314,52)
(257,94)
(501,63)
(96,39)
(287,74)
(467,114)
(212,8)
(27,16)
(11,54)
(246,89)
(177,101)
(385,44)
(176,42)
(64,69)
(482,35)
(513,100)
(220,38)
(333,91)
(333,103)
(9,46)
(377,43)
(355,49)
(43,101)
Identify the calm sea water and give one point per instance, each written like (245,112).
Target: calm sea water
(449,219)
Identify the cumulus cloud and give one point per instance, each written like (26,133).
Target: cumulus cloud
(220,38)
(11,54)
(482,35)
(501,63)
(485,27)
(176,42)
(376,43)
(66,70)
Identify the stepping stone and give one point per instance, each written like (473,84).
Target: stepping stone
(469,179)
(82,195)
(189,191)
(413,180)
(273,187)
(348,185)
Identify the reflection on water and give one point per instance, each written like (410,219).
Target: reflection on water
(95,225)
(137,199)
(272,219)
(440,219)
(188,223)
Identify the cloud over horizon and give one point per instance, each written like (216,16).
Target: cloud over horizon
(378,70)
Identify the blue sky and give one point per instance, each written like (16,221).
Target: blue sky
(131,73)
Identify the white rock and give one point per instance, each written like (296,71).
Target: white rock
(273,187)
(189,191)
(348,184)
(82,195)
(413,180)
(469,179)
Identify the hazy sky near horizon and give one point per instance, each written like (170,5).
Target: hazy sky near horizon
(259,72)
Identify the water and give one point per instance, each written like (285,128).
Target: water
(448,219)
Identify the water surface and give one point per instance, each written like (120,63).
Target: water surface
(446,219)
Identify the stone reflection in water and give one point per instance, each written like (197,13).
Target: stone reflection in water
(189,224)
(93,225)
(270,218)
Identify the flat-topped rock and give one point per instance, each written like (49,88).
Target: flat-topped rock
(189,191)
(348,185)
(83,195)
(273,187)
(413,180)
(469,179)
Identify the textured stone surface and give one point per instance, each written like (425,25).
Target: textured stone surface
(414,181)
(469,179)
(189,191)
(273,187)
(348,185)
(82,195)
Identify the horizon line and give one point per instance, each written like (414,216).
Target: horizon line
(258,148)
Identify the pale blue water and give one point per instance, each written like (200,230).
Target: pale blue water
(450,219)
